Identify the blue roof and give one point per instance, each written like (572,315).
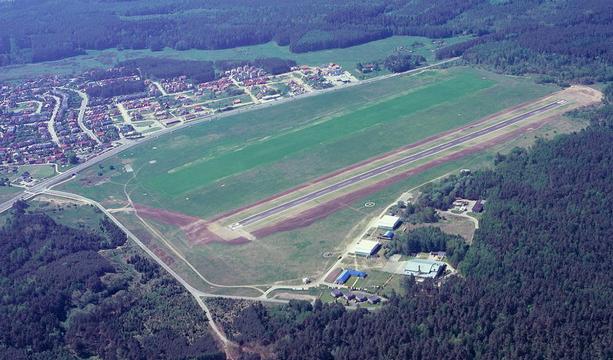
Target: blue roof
(347,273)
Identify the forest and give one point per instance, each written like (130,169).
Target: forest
(64,297)
(564,39)
(535,283)
(427,239)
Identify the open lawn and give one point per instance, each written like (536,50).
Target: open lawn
(212,167)
(220,165)
(38,172)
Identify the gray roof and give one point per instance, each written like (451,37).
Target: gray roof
(423,267)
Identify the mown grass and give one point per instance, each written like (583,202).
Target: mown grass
(386,113)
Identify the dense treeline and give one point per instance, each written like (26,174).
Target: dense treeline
(400,62)
(62,299)
(427,239)
(116,88)
(536,282)
(572,41)
(514,36)
(417,213)
(160,68)
(115,72)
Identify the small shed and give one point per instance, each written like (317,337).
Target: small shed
(374,299)
(336,293)
(478,207)
(360,297)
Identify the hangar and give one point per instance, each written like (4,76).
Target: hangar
(366,248)
(424,268)
(388,222)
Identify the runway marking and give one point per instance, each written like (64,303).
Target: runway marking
(252,219)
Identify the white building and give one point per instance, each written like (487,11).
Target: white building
(388,222)
(366,248)
(424,268)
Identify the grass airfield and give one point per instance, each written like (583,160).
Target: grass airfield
(218,166)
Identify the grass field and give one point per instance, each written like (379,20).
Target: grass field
(229,162)
(39,172)
(220,165)
(347,57)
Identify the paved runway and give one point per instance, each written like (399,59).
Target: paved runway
(390,166)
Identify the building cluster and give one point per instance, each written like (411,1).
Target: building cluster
(265,92)
(294,88)
(99,120)
(248,75)
(356,297)
(217,86)
(176,84)
(41,120)
(70,135)
(24,116)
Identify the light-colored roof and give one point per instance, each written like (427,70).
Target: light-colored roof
(388,221)
(365,246)
(423,267)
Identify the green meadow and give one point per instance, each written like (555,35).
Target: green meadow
(216,166)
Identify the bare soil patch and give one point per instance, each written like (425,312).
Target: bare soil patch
(196,230)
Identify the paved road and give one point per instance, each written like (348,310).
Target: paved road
(81,115)
(47,184)
(389,166)
(51,122)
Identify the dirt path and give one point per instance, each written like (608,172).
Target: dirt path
(160,87)
(246,90)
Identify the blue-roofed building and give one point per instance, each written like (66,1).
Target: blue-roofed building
(347,273)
